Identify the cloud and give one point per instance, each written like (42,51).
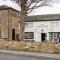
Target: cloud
(53,9)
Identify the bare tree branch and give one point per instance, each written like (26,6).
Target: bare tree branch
(29,5)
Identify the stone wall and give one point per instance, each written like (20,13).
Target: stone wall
(9,20)
(4,24)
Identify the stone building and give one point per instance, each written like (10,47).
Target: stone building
(9,19)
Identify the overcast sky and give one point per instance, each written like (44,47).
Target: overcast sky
(54,8)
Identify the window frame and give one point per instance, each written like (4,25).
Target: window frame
(29,35)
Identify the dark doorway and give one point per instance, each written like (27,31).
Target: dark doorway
(43,37)
(13,34)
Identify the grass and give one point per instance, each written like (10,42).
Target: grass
(30,46)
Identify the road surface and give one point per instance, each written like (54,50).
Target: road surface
(4,56)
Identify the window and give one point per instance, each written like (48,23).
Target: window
(29,35)
(29,24)
(53,35)
(54,24)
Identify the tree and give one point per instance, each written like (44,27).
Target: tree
(26,7)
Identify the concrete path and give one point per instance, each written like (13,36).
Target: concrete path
(35,54)
(4,56)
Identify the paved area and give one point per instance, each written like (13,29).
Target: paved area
(32,54)
(4,56)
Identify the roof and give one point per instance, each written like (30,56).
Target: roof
(49,17)
(7,7)
(9,4)
(4,7)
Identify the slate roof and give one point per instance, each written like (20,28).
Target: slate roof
(50,17)
(7,7)
(9,4)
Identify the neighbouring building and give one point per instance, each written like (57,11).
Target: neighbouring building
(43,28)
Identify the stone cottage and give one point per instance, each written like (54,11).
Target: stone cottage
(9,22)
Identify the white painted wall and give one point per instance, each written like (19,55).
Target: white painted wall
(46,26)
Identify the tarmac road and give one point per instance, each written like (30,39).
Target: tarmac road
(4,56)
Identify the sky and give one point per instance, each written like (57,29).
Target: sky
(54,7)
